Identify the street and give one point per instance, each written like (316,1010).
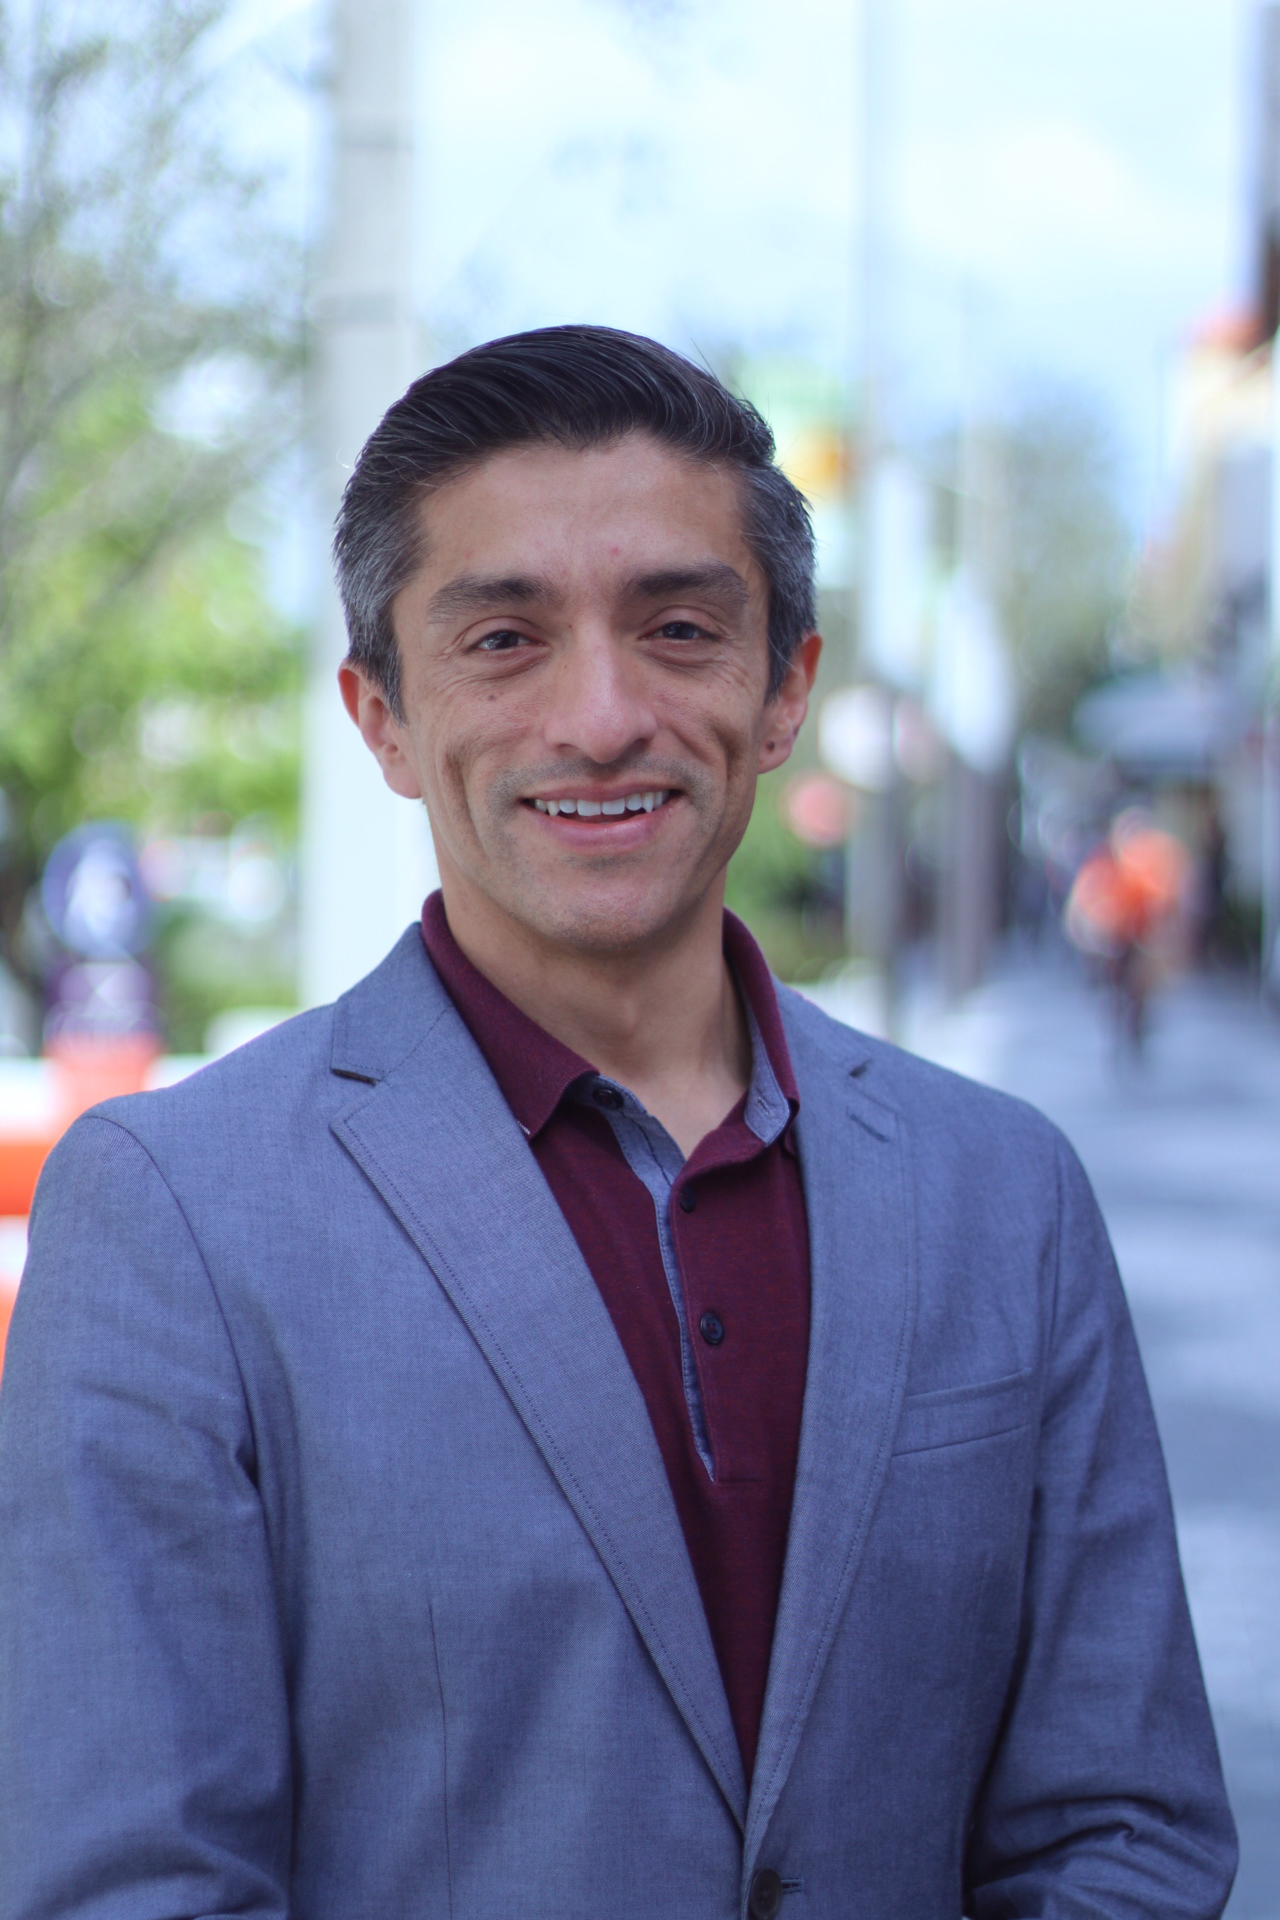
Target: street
(1183,1148)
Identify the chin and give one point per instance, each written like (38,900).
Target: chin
(600,920)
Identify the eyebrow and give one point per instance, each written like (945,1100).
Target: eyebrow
(673,583)
(473,592)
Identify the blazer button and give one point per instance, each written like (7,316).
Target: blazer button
(711,1327)
(688,1200)
(766,1894)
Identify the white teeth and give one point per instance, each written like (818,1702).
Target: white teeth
(589,809)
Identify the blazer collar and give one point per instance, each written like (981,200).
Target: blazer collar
(385,1016)
(856,1174)
(434,1135)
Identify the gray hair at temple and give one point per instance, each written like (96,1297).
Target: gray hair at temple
(576,387)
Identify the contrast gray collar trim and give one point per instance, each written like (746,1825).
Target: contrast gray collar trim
(768,1109)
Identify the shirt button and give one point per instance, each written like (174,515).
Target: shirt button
(607,1097)
(711,1327)
(766,1895)
(688,1200)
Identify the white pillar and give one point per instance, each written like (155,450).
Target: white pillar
(367,860)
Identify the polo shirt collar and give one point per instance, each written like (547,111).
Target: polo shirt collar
(535,1071)
(773,1099)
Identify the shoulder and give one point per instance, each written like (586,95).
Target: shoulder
(926,1097)
(265,1109)
(987,1172)
(242,1089)
(1006,1240)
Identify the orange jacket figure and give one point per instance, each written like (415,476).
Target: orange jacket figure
(1129,890)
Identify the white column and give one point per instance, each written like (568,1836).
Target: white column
(366,858)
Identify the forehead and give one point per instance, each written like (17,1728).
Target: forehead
(578,513)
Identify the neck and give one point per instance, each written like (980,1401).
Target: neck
(663,1020)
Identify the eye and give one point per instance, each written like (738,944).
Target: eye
(501,640)
(681,630)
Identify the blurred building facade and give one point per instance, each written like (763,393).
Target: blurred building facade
(1202,713)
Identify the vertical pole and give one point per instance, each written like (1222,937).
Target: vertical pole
(972,840)
(1269,315)
(367,859)
(1270,797)
(1269,302)
(873,888)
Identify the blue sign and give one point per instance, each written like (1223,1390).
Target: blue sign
(93,893)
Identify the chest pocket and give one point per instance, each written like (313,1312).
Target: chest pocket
(951,1416)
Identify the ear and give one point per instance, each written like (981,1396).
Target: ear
(784,714)
(384,735)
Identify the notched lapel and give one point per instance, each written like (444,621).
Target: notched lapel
(439,1143)
(856,1176)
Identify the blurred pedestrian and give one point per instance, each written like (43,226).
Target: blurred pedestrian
(1125,910)
(1213,912)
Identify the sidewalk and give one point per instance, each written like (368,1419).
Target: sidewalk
(1184,1151)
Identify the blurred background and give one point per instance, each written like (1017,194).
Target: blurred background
(1004,278)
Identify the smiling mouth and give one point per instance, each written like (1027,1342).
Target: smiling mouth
(647,801)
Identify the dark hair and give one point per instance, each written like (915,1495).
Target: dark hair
(581,387)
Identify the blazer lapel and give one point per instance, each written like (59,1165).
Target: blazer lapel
(439,1143)
(862,1277)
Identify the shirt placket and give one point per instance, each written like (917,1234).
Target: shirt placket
(657,1162)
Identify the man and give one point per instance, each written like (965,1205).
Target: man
(569,1429)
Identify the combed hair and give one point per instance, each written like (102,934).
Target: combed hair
(576,387)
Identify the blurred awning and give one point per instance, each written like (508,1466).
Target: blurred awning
(1161,726)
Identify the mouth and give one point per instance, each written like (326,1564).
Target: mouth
(619,807)
(628,816)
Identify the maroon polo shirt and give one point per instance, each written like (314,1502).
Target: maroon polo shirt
(726,1414)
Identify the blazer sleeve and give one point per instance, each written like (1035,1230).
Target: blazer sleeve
(144,1732)
(1105,1794)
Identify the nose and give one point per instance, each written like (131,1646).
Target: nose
(598,708)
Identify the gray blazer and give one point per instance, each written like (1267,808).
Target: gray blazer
(340,1576)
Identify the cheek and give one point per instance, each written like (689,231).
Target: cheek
(474,734)
(739,741)
(721,720)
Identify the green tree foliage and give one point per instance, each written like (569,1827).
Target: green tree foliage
(179,701)
(150,353)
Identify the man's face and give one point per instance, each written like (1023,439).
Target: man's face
(585,669)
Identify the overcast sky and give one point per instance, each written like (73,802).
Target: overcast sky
(1063,184)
